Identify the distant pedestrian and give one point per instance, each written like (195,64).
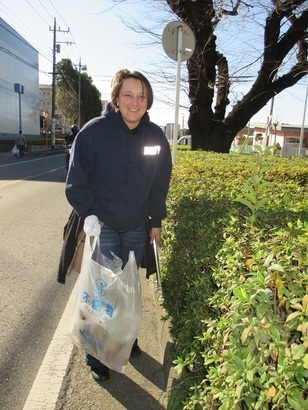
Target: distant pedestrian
(21,144)
(69,138)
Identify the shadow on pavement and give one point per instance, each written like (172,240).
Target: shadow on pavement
(149,368)
(130,394)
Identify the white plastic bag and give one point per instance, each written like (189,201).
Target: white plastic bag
(15,150)
(107,311)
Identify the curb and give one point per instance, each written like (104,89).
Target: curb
(48,382)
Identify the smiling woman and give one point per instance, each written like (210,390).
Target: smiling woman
(132,102)
(119,175)
(131,95)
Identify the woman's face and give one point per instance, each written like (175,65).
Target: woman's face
(132,101)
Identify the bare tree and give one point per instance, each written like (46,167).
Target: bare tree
(277,62)
(285,29)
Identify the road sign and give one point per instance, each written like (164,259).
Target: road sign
(179,44)
(170,40)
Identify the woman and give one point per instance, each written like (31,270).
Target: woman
(119,174)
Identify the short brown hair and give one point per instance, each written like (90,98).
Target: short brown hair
(118,81)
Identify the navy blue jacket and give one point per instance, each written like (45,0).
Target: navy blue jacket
(119,175)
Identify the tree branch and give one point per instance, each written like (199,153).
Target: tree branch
(291,37)
(223,86)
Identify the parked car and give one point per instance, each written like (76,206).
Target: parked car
(185,140)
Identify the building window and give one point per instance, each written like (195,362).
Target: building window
(292,140)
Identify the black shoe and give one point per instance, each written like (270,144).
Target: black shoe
(101,374)
(136,351)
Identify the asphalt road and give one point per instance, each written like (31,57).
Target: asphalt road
(33,212)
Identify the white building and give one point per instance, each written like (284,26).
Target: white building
(287,139)
(45,112)
(19,85)
(286,135)
(45,100)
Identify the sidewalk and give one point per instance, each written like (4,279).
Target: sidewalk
(147,379)
(63,381)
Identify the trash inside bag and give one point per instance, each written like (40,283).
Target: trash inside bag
(107,311)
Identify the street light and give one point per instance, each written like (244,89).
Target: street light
(18,88)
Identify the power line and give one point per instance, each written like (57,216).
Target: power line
(44,9)
(69,33)
(15,56)
(20,27)
(37,11)
(58,13)
(17,22)
(5,50)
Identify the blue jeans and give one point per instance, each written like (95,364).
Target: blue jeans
(119,242)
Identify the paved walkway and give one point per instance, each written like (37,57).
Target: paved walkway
(144,384)
(64,382)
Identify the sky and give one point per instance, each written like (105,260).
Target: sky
(91,32)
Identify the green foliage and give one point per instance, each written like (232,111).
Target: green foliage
(234,268)
(254,198)
(42,141)
(67,94)
(182,147)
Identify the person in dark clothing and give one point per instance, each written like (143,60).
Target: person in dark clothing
(21,144)
(119,175)
(69,138)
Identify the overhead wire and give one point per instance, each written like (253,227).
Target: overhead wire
(77,58)
(37,11)
(59,14)
(44,9)
(68,32)
(19,26)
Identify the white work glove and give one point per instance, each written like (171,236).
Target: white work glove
(91,226)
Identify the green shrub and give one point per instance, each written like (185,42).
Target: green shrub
(59,140)
(234,269)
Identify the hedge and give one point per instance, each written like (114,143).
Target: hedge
(234,277)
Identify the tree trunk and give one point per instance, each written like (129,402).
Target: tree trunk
(207,135)
(208,72)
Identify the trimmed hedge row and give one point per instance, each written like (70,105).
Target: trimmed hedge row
(234,270)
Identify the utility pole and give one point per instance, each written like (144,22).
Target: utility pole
(56,48)
(83,68)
